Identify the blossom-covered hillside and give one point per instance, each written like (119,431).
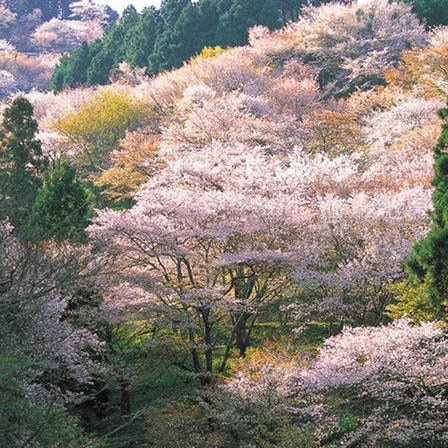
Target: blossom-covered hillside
(34,34)
(241,281)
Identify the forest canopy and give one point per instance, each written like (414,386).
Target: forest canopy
(245,251)
(162,39)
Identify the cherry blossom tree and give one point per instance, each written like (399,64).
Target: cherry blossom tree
(65,35)
(204,117)
(199,250)
(253,196)
(378,386)
(50,351)
(252,406)
(356,246)
(351,44)
(7,82)
(6,17)
(384,128)
(422,69)
(239,221)
(368,386)
(87,11)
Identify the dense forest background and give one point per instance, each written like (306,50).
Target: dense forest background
(93,41)
(247,250)
(180,29)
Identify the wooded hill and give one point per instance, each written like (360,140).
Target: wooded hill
(247,251)
(34,34)
(162,39)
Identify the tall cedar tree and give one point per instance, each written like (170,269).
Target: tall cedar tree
(429,260)
(62,207)
(21,162)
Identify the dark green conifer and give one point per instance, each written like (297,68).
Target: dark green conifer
(429,260)
(77,68)
(141,38)
(101,63)
(21,162)
(431,12)
(62,207)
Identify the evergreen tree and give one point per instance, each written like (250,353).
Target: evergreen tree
(141,38)
(57,82)
(72,70)
(168,51)
(208,20)
(243,14)
(170,10)
(101,63)
(429,260)
(62,207)
(79,63)
(21,162)
(187,38)
(161,58)
(289,9)
(106,54)
(178,42)
(431,12)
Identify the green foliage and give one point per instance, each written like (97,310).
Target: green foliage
(149,366)
(428,263)
(431,12)
(101,62)
(62,207)
(163,39)
(348,423)
(21,162)
(58,82)
(412,301)
(77,67)
(141,38)
(75,70)
(244,14)
(25,422)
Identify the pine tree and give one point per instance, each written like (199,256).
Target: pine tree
(62,207)
(243,14)
(431,12)
(429,260)
(141,38)
(79,63)
(21,162)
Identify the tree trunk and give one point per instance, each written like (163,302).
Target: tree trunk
(242,334)
(125,403)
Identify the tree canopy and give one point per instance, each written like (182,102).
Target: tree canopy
(62,207)
(242,280)
(162,39)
